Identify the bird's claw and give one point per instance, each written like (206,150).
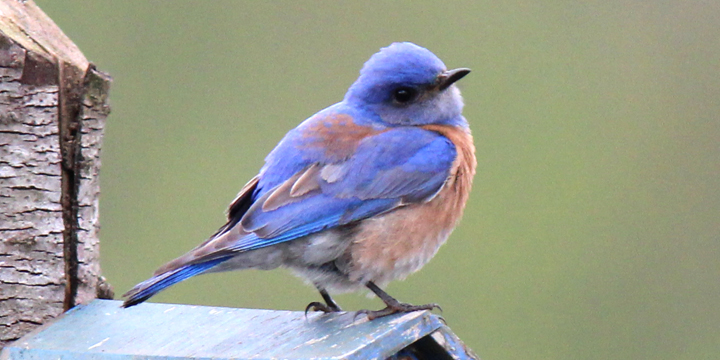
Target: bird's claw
(318,306)
(396,308)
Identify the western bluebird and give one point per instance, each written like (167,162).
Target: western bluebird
(362,193)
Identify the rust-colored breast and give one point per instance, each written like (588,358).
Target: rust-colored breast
(400,242)
(463,172)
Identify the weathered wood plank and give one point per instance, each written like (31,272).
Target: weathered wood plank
(103,330)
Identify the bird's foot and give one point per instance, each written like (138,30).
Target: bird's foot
(318,306)
(395,308)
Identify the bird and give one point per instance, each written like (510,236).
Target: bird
(362,193)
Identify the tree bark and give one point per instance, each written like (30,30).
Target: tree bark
(53,106)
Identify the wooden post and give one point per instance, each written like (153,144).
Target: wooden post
(53,105)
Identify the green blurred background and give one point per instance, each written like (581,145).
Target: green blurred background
(593,229)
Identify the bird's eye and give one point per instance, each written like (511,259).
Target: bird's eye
(404,95)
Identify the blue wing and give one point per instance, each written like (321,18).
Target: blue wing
(390,169)
(305,188)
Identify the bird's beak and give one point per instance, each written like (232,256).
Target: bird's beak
(447,78)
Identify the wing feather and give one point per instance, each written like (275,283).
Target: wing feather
(389,170)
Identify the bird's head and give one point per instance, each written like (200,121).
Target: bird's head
(405,84)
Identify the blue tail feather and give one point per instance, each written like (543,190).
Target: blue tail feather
(155,284)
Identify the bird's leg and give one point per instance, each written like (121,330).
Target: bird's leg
(328,307)
(393,306)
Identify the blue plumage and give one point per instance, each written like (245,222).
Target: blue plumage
(395,142)
(152,286)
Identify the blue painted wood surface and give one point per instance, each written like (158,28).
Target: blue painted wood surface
(104,330)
